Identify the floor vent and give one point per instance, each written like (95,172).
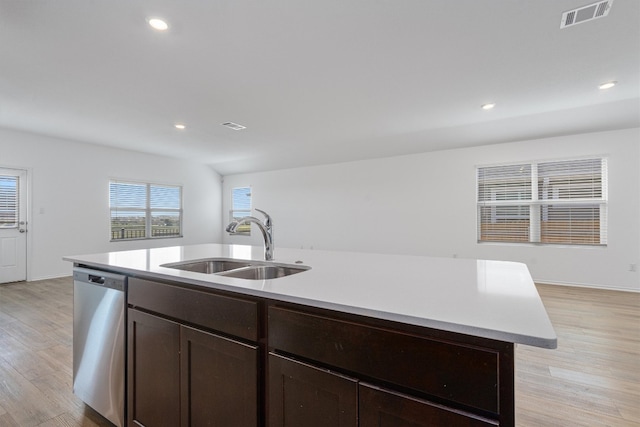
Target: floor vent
(586,13)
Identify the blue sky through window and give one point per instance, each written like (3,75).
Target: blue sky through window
(241,199)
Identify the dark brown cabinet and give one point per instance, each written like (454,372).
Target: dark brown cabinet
(153,386)
(304,395)
(180,375)
(398,375)
(301,394)
(385,408)
(219,380)
(200,356)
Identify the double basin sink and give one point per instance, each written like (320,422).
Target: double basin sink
(250,270)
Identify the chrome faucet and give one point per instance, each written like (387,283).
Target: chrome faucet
(266,227)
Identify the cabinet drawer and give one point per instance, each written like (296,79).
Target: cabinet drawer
(385,408)
(228,315)
(452,371)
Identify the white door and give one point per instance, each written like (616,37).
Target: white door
(13,225)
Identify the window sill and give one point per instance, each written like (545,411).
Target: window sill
(547,245)
(146,238)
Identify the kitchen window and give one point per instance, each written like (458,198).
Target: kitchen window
(561,202)
(9,201)
(241,207)
(144,210)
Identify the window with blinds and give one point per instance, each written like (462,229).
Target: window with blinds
(9,202)
(562,202)
(241,207)
(144,210)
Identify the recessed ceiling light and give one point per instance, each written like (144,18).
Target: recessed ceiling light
(158,24)
(607,85)
(488,106)
(234,126)
(180,126)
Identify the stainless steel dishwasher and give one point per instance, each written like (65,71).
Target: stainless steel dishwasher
(99,341)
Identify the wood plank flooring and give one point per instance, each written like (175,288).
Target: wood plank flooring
(36,357)
(592,379)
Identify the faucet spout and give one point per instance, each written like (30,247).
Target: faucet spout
(266,228)
(233,226)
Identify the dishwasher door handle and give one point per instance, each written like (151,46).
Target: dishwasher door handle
(99,280)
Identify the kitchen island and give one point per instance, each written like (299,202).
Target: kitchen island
(357,339)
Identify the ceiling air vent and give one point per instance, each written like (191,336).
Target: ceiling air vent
(233,126)
(586,13)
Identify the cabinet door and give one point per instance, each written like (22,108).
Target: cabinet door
(304,395)
(153,371)
(385,408)
(219,380)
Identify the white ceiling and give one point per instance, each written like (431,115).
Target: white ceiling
(314,81)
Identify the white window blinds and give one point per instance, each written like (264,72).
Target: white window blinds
(504,193)
(9,202)
(573,201)
(241,207)
(546,202)
(144,210)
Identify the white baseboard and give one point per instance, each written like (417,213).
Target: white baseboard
(35,279)
(585,285)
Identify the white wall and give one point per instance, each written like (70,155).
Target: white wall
(69,205)
(425,204)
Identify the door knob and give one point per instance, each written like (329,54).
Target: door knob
(22,230)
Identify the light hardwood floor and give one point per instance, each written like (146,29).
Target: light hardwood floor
(592,379)
(36,358)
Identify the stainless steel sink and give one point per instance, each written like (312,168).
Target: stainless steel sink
(263,272)
(208,266)
(250,270)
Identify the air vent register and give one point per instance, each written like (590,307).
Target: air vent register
(585,13)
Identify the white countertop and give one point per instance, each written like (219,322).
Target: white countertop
(490,299)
